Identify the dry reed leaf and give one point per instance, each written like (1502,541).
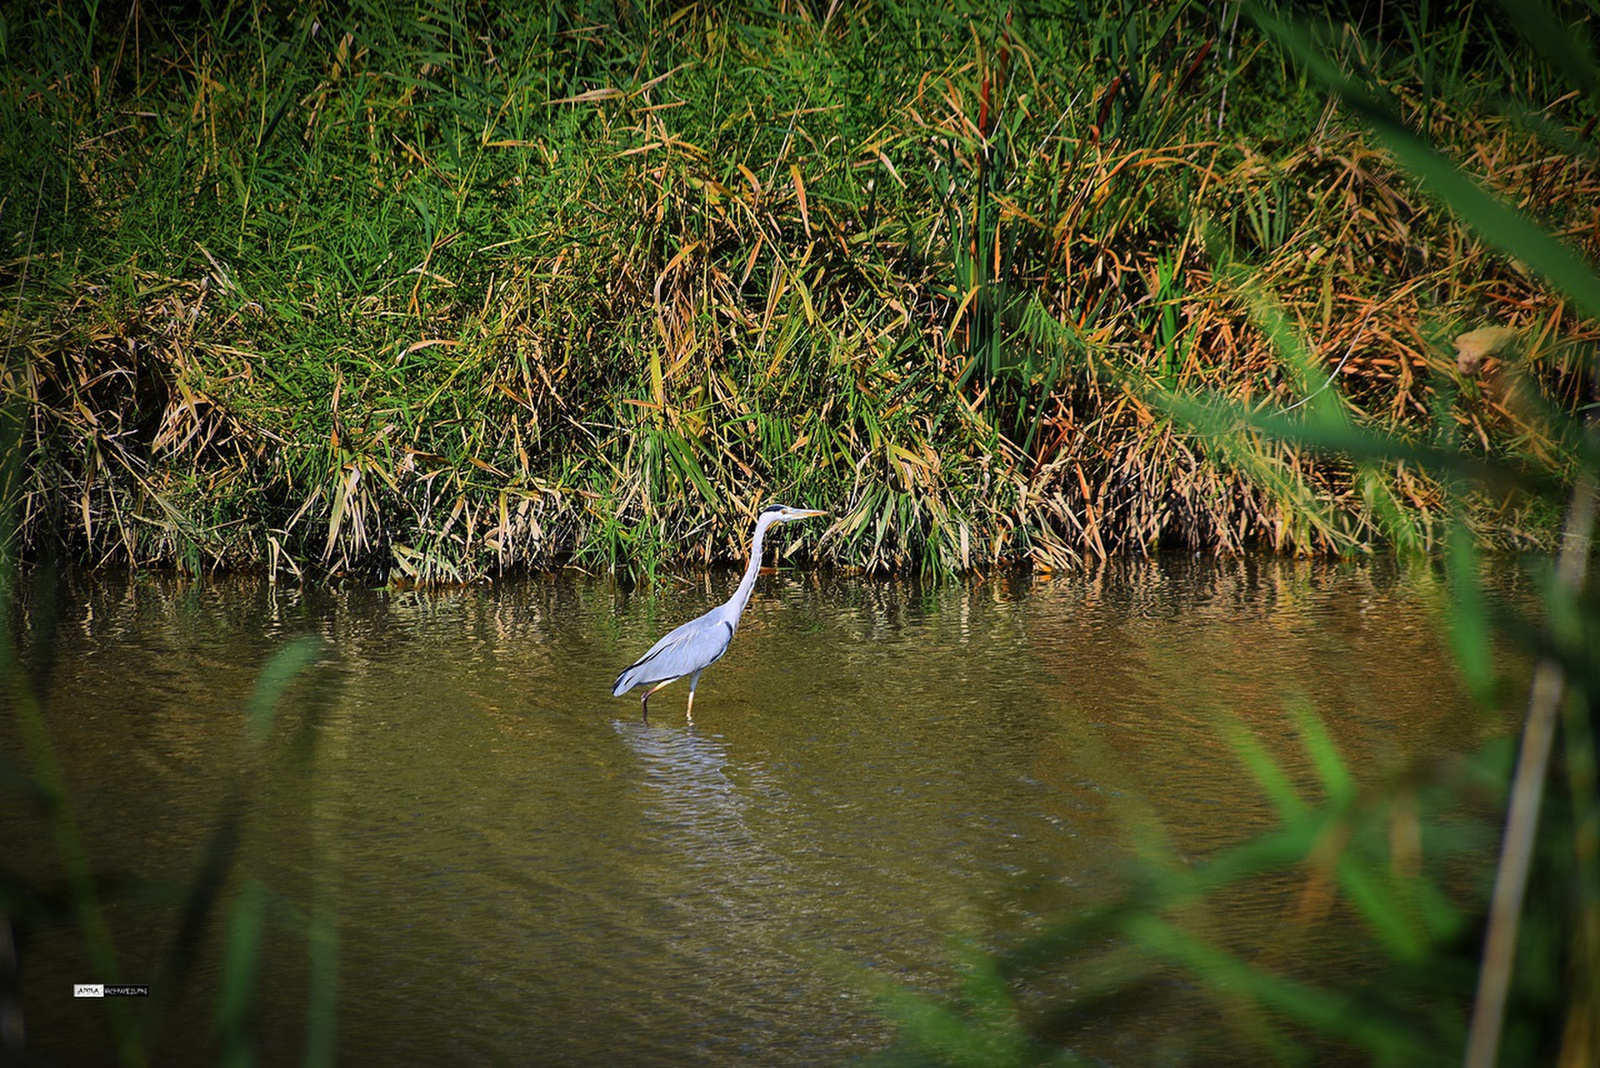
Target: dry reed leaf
(593,95)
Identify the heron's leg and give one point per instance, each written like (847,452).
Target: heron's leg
(644,702)
(694,680)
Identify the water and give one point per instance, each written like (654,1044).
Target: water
(879,773)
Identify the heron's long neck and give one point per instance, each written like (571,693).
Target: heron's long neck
(747,584)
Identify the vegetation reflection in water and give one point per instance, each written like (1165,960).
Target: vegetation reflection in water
(884,773)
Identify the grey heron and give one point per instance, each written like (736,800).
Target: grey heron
(699,643)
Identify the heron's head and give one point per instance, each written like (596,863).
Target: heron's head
(782,513)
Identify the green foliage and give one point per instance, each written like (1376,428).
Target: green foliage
(432,291)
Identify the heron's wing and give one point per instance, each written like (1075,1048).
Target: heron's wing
(683,651)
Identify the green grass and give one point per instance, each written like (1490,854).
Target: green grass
(421,291)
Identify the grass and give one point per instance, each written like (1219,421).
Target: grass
(421,292)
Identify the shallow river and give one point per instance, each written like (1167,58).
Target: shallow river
(879,777)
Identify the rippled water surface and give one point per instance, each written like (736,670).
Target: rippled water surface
(878,774)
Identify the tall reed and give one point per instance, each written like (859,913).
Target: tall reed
(448,293)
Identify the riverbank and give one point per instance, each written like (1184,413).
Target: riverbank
(453,296)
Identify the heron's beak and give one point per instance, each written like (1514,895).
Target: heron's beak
(806,513)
